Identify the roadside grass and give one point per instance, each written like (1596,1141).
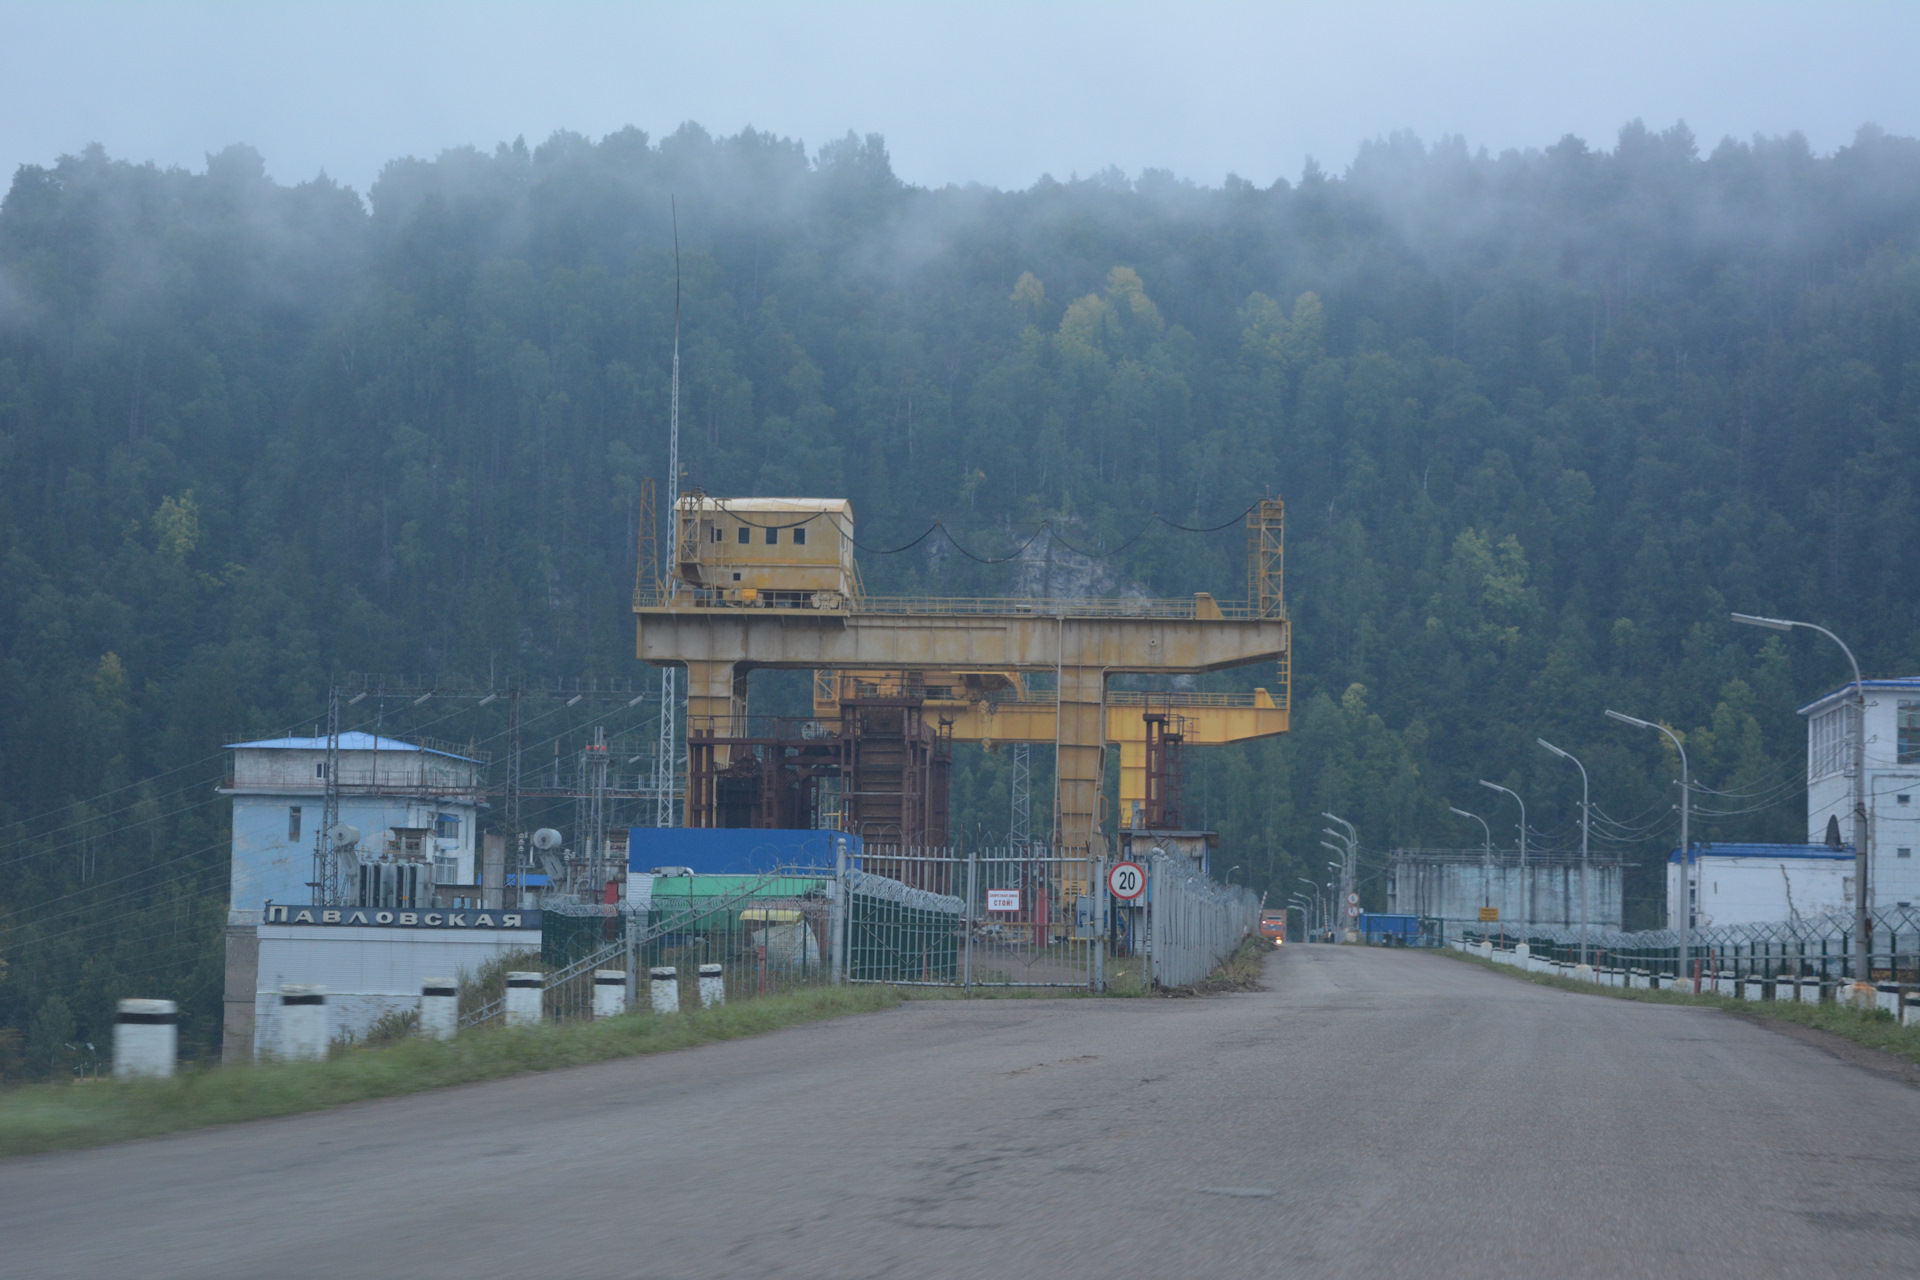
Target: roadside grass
(57,1117)
(1872,1028)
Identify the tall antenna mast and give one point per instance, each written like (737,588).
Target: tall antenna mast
(665,757)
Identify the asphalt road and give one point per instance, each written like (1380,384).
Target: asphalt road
(1375,1113)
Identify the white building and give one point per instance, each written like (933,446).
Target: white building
(1761,883)
(416,808)
(1892,782)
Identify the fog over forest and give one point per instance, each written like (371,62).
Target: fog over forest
(1541,419)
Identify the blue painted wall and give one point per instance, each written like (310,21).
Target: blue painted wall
(733,850)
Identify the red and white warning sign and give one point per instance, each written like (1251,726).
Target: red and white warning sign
(1003,899)
(1127,881)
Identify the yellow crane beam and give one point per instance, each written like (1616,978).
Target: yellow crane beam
(999,706)
(720,645)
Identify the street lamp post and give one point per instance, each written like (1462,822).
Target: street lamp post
(1585,917)
(1686,853)
(1486,875)
(1526,901)
(1315,886)
(1862,919)
(1350,872)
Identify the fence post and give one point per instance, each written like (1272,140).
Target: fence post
(837,912)
(632,991)
(1099,890)
(966,922)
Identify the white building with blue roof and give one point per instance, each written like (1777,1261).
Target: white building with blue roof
(416,806)
(1892,782)
(410,802)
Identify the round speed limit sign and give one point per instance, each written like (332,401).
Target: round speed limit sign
(1126,881)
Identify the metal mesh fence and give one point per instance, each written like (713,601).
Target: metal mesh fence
(1193,922)
(1819,946)
(1021,917)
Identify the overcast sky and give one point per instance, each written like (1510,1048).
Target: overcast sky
(991,93)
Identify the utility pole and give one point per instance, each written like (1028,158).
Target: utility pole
(1526,898)
(666,757)
(1585,918)
(1862,862)
(1686,850)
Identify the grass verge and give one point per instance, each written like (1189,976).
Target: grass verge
(65,1116)
(1872,1029)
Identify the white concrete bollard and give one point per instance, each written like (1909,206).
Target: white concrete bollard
(439,1008)
(1910,1008)
(664,988)
(304,1029)
(1584,973)
(713,985)
(523,998)
(1887,998)
(146,1039)
(1753,988)
(609,993)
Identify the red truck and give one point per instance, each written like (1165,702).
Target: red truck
(1273,925)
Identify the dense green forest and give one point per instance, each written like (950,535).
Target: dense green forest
(1540,419)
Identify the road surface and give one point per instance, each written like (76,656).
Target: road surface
(1375,1113)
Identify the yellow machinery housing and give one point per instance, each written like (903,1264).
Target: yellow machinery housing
(782,553)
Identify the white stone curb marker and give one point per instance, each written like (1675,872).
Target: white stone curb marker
(713,985)
(439,1008)
(146,1039)
(609,993)
(665,989)
(523,998)
(304,1030)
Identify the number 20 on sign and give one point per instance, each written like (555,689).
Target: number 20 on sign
(1127,880)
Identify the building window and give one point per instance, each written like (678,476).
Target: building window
(293,824)
(745,535)
(447,826)
(713,531)
(773,539)
(1827,742)
(1910,733)
(1903,853)
(1903,799)
(800,536)
(320,770)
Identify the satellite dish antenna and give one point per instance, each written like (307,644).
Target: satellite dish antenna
(546,838)
(345,835)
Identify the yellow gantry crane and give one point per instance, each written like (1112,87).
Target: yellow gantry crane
(771,582)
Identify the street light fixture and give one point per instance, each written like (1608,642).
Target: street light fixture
(1862,920)
(1686,852)
(1526,901)
(1486,875)
(1585,812)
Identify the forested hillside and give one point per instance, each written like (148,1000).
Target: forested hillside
(1540,420)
